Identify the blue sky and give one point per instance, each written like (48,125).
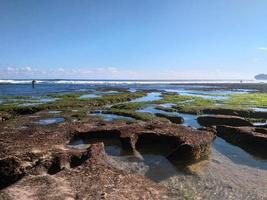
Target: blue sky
(133,39)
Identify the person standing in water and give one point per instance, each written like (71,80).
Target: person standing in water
(33,83)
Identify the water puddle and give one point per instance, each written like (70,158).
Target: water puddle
(112,145)
(111,117)
(46,100)
(260,109)
(109,92)
(169,105)
(54,111)
(152,96)
(211,94)
(149,160)
(35,101)
(189,119)
(30,104)
(132,90)
(88,96)
(260,123)
(235,153)
(22,127)
(97,94)
(51,120)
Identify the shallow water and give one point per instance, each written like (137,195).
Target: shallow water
(234,153)
(213,93)
(44,88)
(260,109)
(229,172)
(152,96)
(263,123)
(238,155)
(189,119)
(30,104)
(51,120)
(88,96)
(54,111)
(152,162)
(29,101)
(112,146)
(110,117)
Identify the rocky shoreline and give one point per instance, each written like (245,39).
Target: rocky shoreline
(44,151)
(39,161)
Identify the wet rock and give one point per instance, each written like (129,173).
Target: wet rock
(184,143)
(215,120)
(251,139)
(14,168)
(173,118)
(224,111)
(68,158)
(54,165)
(95,179)
(261,130)
(242,113)
(56,170)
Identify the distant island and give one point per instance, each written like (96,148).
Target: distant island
(261,77)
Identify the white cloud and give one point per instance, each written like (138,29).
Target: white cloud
(262,48)
(19,69)
(61,69)
(118,73)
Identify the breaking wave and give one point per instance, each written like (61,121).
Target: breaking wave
(119,82)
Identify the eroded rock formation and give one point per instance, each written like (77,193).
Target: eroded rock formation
(38,162)
(173,118)
(252,139)
(216,120)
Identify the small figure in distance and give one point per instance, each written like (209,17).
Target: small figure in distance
(33,83)
(241,81)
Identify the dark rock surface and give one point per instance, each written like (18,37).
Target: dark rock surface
(10,171)
(232,112)
(215,120)
(251,139)
(95,179)
(173,118)
(37,161)
(172,135)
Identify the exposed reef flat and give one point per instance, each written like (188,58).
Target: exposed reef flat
(41,159)
(82,155)
(215,120)
(86,177)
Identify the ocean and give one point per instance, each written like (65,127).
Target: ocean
(45,86)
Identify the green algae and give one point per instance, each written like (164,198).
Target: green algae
(247,99)
(130,113)
(71,101)
(122,105)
